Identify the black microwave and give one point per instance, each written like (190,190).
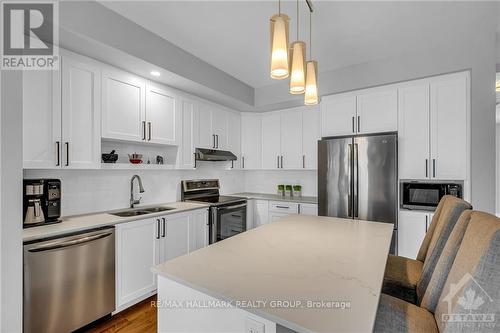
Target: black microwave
(426,196)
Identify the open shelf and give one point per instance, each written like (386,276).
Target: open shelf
(130,166)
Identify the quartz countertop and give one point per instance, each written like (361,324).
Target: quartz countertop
(304,258)
(268,196)
(78,223)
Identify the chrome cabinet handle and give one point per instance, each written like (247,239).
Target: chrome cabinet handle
(67,153)
(426,223)
(282,161)
(359,127)
(283,207)
(144,130)
(164,232)
(434,167)
(58,148)
(149,130)
(213,139)
(353,125)
(217,140)
(277,162)
(426,167)
(303,161)
(243,162)
(157,228)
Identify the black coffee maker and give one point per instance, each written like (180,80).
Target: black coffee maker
(41,201)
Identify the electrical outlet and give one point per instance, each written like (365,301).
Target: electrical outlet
(253,326)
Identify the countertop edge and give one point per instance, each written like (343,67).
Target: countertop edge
(119,220)
(275,197)
(261,313)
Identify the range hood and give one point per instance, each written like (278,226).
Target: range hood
(213,155)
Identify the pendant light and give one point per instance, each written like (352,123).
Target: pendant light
(311,94)
(297,73)
(279,45)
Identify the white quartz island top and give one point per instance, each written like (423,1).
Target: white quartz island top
(78,223)
(298,258)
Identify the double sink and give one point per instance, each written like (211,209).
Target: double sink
(141,211)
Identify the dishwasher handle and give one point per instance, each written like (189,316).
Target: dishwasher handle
(60,245)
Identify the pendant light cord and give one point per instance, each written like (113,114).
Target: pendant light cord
(297,20)
(279,7)
(310,36)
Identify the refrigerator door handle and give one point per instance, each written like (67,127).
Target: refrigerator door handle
(355,182)
(349,195)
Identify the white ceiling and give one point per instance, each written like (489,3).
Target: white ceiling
(234,35)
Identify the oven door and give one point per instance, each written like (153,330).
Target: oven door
(424,196)
(228,221)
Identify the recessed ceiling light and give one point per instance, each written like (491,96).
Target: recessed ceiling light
(155,73)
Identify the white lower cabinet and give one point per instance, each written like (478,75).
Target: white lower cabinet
(137,250)
(143,244)
(261,213)
(412,227)
(308,209)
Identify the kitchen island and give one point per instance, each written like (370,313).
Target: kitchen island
(301,273)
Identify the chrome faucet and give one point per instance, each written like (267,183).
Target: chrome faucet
(141,190)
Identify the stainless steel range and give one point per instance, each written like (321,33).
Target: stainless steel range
(228,215)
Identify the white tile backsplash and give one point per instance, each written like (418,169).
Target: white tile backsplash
(265,181)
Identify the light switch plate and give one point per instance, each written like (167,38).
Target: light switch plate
(253,326)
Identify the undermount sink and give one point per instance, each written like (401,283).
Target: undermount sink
(141,211)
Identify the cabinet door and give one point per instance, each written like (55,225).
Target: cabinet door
(377,111)
(186,149)
(123,106)
(81,114)
(310,136)
(136,252)
(274,216)
(308,209)
(41,119)
(338,113)
(261,213)
(412,227)
(161,116)
(449,127)
(234,137)
(271,137)
(205,137)
(251,141)
(291,139)
(176,239)
(250,214)
(413,131)
(198,229)
(219,128)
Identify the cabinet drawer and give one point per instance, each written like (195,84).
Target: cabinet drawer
(285,207)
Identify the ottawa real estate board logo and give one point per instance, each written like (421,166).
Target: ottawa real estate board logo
(29,35)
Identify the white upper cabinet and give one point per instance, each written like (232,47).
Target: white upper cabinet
(377,110)
(81,114)
(233,142)
(61,115)
(338,115)
(292,156)
(41,119)
(123,106)
(185,157)
(310,135)
(433,132)
(162,116)
(271,140)
(205,137)
(251,141)
(448,104)
(361,112)
(219,128)
(413,131)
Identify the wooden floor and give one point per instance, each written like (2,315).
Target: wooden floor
(138,318)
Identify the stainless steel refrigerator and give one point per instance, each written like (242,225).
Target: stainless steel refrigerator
(358,177)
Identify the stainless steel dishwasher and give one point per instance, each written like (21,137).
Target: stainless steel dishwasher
(69,281)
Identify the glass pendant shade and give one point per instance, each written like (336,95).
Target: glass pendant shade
(311,94)
(297,73)
(279,46)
